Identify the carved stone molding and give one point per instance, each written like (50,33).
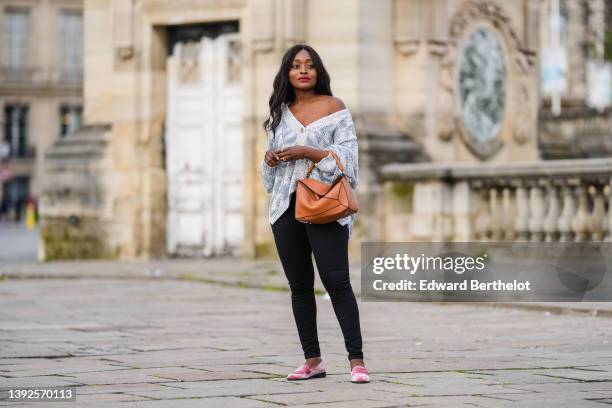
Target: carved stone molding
(123,29)
(520,65)
(277,24)
(407,47)
(417,23)
(437,47)
(263,19)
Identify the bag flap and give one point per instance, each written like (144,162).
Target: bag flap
(316,186)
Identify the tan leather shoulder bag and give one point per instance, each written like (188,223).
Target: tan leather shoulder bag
(317,202)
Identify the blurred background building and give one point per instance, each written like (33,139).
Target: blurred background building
(477,119)
(41,78)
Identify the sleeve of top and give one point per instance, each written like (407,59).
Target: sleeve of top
(267,172)
(345,146)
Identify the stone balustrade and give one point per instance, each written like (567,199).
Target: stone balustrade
(555,200)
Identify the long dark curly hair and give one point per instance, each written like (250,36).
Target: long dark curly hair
(283,91)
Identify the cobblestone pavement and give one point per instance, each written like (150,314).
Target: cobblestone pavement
(178,343)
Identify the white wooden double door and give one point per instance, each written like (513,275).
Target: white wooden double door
(204,148)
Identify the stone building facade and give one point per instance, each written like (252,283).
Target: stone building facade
(41,87)
(431,82)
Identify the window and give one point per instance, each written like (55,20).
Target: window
(16,45)
(70,37)
(16,130)
(70,119)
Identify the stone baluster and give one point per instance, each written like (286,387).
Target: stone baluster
(521,222)
(508,214)
(495,224)
(598,215)
(482,219)
(580,223)
(536,213)
(564,225)
(552,214)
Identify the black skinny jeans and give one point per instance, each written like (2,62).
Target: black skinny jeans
(296,242)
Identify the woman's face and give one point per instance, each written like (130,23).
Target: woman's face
(303,74)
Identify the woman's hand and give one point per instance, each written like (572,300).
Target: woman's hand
(271,158)
(302,152)
(292,153)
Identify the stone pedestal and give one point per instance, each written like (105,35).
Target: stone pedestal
(76,204)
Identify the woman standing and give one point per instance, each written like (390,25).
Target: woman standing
(305,121)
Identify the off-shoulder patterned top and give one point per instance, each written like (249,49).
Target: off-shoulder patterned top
(335,131)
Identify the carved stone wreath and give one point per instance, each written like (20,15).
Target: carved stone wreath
(519,65)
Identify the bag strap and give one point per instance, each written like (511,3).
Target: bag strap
(335,156)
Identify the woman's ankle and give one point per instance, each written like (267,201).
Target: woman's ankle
(356,362)
(313,361)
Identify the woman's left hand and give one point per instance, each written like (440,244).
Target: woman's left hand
(292,153)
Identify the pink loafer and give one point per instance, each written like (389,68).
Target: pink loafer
(359,374)
(304,372)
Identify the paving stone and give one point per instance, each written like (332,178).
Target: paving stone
(38,381)
(82,399)
(365,403)
(58,366)
(224,402)
(123,388)
(567,387)
(115,377)
(333,395)
(577,374)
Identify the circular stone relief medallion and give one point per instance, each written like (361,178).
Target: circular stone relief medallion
(482,89)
